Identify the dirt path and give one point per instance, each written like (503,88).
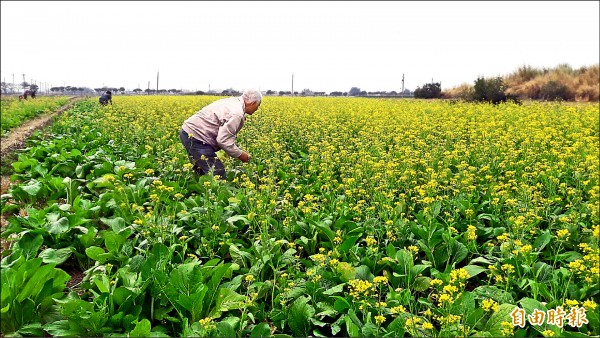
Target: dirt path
(16,138)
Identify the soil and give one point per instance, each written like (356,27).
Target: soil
(15,140)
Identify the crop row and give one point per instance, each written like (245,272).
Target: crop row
(355,217)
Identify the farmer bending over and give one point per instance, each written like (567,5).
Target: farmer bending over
(105,98)
(215,127)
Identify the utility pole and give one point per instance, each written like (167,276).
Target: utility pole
(292,84)
(157,82)
(402,84)
(148,87)
(13,86)
(23,81)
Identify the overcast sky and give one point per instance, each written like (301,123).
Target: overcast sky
(328,46)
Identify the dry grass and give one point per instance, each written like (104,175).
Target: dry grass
(526,82)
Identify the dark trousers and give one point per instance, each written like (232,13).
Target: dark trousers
(202,156)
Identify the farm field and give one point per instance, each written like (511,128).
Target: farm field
(16,112)
(355,217)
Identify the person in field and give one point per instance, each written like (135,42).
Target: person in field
(214,128)
(27,93)
(106,98)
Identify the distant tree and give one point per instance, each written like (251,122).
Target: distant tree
(489,90)
(4,87)
(306,92)
(122,90)
(354,91)
(336,94)
(137,90)
(270,92)
(429,91)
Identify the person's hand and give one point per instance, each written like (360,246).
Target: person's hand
(245,157)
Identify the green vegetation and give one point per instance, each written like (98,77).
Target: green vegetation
(15,112)
(356,217)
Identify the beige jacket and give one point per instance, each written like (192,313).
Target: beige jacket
(218,124)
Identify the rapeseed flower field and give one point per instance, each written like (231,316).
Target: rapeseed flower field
(355,217)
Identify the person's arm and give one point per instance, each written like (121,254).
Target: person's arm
(226,138)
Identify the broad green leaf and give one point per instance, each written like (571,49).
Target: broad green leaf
(33,329)
(61,328)
(363,272)
(417,269)
(57,225)
(542,271)
(231,220)
(529,305)
(336,289)
(216,275)
(493,292)
(325,229)
(54,256)
(421,283)
(340,304)
(261,330)
(542,240)
(103,284)
(494,324)
(352,329)
(348,243)
(37,279)
(29,244)
(405,262)
(142,329)
(474,270)
(299,317)
(465,304)
(459,251)
(96,253)
(32,188)
(121,294)
(157,259)
(397,327)
(229,300)
(116,224)
(481,260)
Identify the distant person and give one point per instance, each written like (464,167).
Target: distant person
(106,98)
(27,93)
(214,128)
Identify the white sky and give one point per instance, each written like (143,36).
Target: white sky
(328,46)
